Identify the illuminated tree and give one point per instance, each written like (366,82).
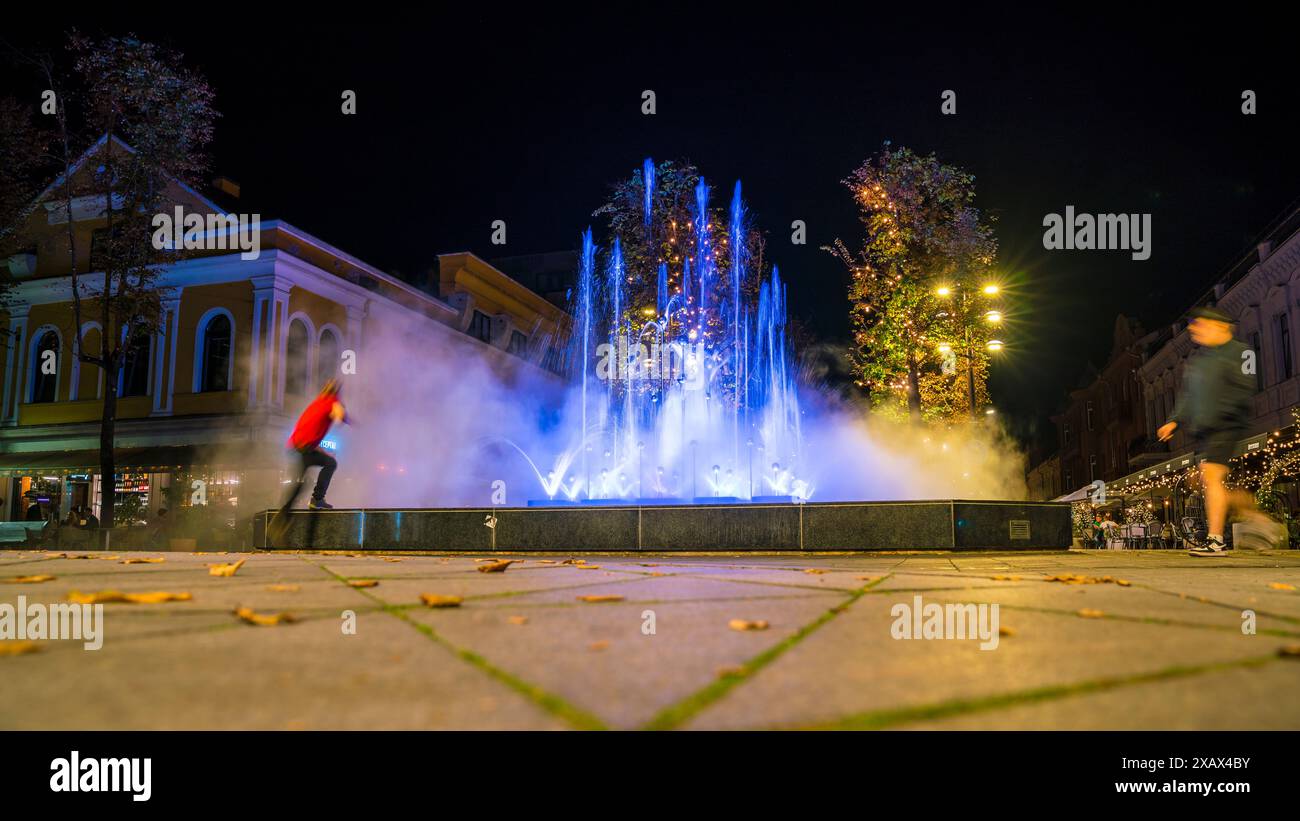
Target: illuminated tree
(923,234)
(667,234)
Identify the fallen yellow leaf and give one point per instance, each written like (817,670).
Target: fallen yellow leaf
(114,596)
(1089,613)
(363,583)
(391,559)
(225,569)
(1290,651)
(598,645)
(583,567)
(263,619)
(18,648)
(156,598)
(27,579)
(815,570)
(283,588)
(435,600)
(143,560)
(495,567)
(1006,631)
(742,624)
(1281,586)
(518,619)
(598,599)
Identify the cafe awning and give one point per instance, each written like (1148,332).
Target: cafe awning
(156,459)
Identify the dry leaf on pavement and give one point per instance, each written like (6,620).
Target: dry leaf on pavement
(363,583)
(436,600)
(283,588)
(598,599)
(1281,586)
(518,619)
(18,648)
(225,569)
(1089,613)
(742,624)
(27,579)
(263,619)
(114,596)
(144,560)
(495,567)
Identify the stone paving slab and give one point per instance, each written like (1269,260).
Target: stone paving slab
(596,656)
(1111,600)
(1168,651)
(862,669)
(302,676)
(1237,699)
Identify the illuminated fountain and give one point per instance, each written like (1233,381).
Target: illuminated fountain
(682,372)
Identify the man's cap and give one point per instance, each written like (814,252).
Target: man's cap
(1212,313)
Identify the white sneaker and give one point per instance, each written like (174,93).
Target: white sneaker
(1212,547)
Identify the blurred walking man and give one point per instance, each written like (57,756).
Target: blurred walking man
(1213,408)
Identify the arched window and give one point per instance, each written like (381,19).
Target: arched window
(297,363)
(45,368)
(215,357)
(327,357)
(135,367)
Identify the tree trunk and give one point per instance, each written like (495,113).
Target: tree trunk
(913,388)
(107,470)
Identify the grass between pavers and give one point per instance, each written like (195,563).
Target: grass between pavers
(885,719)
(575,717)
(676,715)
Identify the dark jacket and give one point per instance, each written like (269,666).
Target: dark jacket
(1216,390)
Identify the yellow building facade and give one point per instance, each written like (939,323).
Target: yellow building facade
(243,344)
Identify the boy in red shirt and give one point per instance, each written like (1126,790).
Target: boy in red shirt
(312,426)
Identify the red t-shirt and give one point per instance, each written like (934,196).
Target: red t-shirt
(313,424)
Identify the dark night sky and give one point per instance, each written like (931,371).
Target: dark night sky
(463,120)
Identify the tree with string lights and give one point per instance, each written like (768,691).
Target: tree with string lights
(916,349)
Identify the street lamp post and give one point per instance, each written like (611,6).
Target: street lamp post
(992,316)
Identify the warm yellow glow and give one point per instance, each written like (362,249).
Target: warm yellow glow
(995,345)
(944,347)
(943,290)
(990,289)
(994,316)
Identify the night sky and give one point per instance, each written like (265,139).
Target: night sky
(465,120)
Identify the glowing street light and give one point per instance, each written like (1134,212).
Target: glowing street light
(943,290)
(991,290)
(945,348)
(994,317)
(995,345)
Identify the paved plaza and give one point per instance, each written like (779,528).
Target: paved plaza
(1085,640)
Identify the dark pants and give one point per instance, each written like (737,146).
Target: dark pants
(313,457)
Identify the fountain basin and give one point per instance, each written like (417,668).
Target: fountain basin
(812,526)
